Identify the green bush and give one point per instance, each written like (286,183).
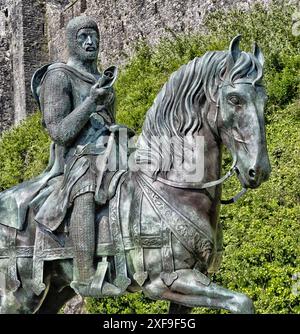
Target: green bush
(261,231)
(23,152)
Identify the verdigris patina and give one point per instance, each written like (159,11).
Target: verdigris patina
(79,228)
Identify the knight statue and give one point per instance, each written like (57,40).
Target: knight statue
(77,104)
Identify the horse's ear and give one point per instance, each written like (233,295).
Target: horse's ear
(234,49)
(258,54)
(233,54)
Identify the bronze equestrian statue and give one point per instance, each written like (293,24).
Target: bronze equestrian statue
(78,228)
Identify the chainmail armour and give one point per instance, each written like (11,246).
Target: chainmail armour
(82,232)
(66,108)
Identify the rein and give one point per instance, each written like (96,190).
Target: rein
(199,185)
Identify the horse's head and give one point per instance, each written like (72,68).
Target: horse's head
(240,121)
(232,80)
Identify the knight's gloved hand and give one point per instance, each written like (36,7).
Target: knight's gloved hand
(98,94)
(117,127)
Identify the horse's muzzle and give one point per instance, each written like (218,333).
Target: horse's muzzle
(254,177)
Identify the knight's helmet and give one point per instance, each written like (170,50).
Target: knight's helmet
(74,25)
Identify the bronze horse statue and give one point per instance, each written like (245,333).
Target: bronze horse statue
(163,235)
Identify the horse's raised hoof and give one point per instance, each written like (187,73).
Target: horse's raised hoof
(248,307)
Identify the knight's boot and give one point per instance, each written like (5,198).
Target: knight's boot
(82,233)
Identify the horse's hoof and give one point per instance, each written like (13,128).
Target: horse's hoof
(245,305)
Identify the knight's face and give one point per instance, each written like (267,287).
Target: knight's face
(88,41)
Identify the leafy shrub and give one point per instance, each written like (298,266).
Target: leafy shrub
(23,152)
(135,303)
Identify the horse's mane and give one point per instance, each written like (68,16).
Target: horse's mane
(176,111)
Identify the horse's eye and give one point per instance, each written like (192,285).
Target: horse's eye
(234,100)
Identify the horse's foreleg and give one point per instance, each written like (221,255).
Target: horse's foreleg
(193,290)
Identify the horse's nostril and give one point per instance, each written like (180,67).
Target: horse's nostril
(252,173)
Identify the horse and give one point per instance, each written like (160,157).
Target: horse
(164,224)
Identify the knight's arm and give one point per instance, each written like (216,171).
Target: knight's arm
(63,123)
(111,104)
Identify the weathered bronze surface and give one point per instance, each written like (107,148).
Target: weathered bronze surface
(79,228)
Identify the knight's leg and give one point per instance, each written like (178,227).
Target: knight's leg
(191,290)
(82,233)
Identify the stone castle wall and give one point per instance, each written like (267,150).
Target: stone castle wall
(6,98)
(23,48)
(32,34)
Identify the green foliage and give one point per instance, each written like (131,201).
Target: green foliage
(135,303)
(261,231)
(23,152)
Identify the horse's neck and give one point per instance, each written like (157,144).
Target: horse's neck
(200,165)
(204,164)
(212,155)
